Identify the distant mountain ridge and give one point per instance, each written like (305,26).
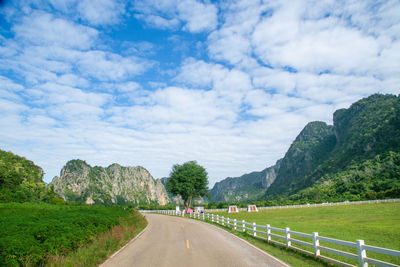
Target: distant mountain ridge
(358,157)
(247,187)
(79,182)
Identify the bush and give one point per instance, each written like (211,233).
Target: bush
(30,233)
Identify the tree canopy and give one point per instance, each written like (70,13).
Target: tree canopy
(189,181)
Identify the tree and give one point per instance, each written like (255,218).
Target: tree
(189,181)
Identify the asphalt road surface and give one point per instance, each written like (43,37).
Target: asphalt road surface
(174,241)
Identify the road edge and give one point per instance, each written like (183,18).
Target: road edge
(130,241)
(245,241)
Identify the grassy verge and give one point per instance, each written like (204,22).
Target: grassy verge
(377,224)
(31,234)
(104,245)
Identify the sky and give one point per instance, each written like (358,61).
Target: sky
(153,83)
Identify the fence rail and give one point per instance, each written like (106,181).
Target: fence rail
(286,236)
(316,205)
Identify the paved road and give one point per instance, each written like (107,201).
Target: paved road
(173,241)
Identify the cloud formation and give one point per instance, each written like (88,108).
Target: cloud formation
(155,83)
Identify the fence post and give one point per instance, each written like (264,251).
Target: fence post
(268,233)
(227,222)
(243,225)
(234,224)
(288,243)
(223,220)
(316,244)
(218,219)
(254,229)
(212,217)
(203,216)
(362,254)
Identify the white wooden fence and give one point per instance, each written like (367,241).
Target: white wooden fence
(287,238)
(316,205)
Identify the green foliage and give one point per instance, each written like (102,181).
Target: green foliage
(375,178)
(104,245)
(156,206)
(358,161)
(311,147)
(21,181)
(30,233)
(75,165)
(189,181)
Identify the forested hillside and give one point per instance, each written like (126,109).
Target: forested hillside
(356,158)
(21,180)
(310,148)
(360,162)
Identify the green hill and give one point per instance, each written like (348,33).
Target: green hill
(358,157)
(360,161)
(21,180)
(247,187)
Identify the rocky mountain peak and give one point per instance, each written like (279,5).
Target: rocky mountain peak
(79,182)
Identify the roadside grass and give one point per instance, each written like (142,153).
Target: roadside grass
(104,244)
(38,234)
(288,256)
(378,224)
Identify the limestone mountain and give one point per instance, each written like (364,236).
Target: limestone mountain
(79,182)
(247,187)
(310,148)
(358,157)
(365,160)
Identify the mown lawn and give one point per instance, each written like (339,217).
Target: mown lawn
(377,224)
(33,234)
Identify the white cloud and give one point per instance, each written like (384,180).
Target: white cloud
(216,76)
(109,66)
(101,12)
(195,16)
(159,22)
(72,91)
(128,87)
(41,28)
(72,80)
(315,46)
(231,43)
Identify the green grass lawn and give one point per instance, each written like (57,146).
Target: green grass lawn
(377,224)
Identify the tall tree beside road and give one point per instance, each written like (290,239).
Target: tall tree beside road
(189,181)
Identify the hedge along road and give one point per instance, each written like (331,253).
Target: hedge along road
(174,241)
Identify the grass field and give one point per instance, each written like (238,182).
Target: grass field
(377,224)
(32,234)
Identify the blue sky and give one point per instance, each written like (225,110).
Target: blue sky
(154,83)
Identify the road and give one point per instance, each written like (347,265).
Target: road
(174,241)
